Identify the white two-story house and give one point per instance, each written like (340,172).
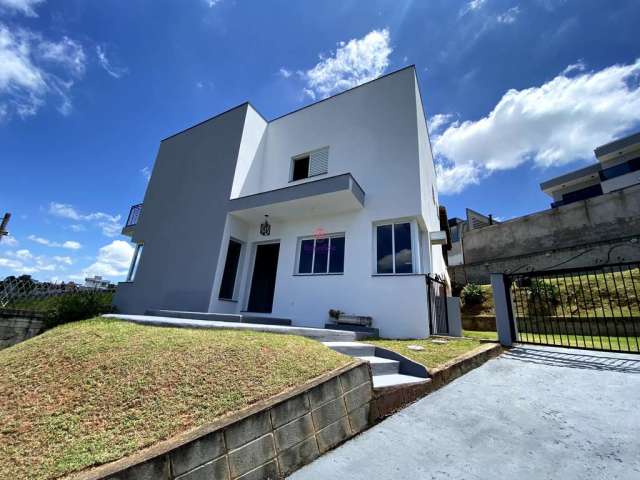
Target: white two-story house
(332,206)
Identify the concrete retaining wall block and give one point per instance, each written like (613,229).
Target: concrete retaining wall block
(270,443)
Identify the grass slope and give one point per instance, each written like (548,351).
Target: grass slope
(434,354)
(612,294)
(94,391)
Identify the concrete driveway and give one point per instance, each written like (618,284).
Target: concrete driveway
(533,413)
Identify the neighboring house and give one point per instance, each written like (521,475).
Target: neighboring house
(594,219)
(332,206)
(618,167)
(97,282)
(458,227)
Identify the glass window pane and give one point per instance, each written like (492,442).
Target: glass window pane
(336,255)
(306,256)
(383,249)
(230,270)
(322,254)
(300,168)
(402,237)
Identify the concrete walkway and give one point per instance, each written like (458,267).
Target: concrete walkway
(321,334)
(534,413)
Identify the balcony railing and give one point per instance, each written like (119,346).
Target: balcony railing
(134,215)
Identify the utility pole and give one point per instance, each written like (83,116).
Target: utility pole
(3,225)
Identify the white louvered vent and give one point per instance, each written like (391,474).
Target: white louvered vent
(319,162)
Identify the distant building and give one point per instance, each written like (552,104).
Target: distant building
(458,227)
(97,282)
(618,167)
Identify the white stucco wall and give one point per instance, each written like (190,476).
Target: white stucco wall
(376,132)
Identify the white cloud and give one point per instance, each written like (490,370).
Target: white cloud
(25,7)
(24,262)
(436,122)
(65,52)
(72,245)
(76,227)
(115,72)
(146,173)
(33,69)
(65,260)
(353,63)
(556,123)
(109,224)
(285,73)
(69,244)
(113,260)
(212,3)
(509,16)
(9,241)
(471,6)
(24,254)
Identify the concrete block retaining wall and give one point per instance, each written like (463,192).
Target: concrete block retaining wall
(17,326)
(270,440)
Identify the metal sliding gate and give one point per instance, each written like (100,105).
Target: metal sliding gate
(591,308)
(437,298)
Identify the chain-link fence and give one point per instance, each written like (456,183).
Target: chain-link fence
(56,302)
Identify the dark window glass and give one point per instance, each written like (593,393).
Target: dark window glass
(383,249)
(402,238)
(322,253)
(306,256)
(336,255)
(582,194)
(230,270)
(300,168)
(455,235)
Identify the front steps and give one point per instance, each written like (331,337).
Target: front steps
(221,317)
(385,371)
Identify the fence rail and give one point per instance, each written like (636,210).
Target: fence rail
(596,307)
(55,302)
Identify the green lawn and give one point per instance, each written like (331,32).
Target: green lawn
(434,354)
(630,344)
(90,392)
(611,294)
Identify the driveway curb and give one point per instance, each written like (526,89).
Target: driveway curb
(387,401)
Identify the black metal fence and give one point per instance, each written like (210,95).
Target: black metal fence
(592,308)
(438,315)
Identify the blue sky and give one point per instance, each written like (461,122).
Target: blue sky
(516,92)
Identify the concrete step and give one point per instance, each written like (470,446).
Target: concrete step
(354,349)
(381,366)
(383,381)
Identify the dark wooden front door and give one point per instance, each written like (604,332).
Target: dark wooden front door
(263,281)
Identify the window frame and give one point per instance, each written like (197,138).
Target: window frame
(236,280)
(328,236)
(135,262)
(415,246)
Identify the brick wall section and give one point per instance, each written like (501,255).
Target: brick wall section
(16,327)
(270,443)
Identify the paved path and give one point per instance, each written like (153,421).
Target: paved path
(321,334)
(534,413)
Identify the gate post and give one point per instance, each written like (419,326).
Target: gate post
(504,313)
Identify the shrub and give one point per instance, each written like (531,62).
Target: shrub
(544,292)
(472,294)
(79,306)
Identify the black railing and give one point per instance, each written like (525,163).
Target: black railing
(134,215)
(594,308)
(437,305)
